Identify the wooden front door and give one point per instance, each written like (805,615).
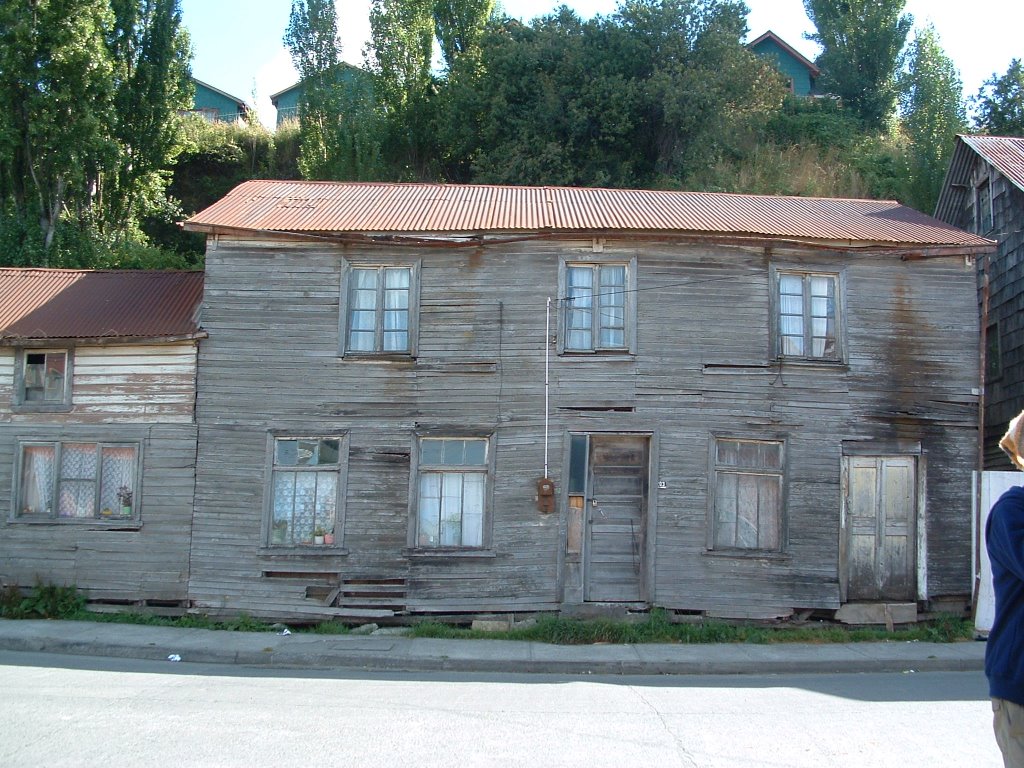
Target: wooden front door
(615,511)
(881,528)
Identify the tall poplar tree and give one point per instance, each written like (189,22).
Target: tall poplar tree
(861,43)
(933,113)
(56,106)
(152,83)
(401,48)
(338,127)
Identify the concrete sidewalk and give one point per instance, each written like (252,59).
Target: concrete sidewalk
(389,652)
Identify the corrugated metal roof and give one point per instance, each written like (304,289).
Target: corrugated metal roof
(1006,153)
(86,304)
(436,209)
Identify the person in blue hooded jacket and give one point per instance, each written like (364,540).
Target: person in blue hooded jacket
(1004,653)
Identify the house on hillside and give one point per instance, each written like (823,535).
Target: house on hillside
(801,73)
(98,432)
(217,106)
(453,400)
(357,82)
(984,193)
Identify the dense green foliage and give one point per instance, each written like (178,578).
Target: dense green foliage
(1000,103)
(933,114)
(89,94)
(861,43)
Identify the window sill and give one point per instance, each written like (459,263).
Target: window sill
(381,357)
(304,550)
(424,553)
(809,362)
(78,522)
(41,408)
(603,354)
(752,554)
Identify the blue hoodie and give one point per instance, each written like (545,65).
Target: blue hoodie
(1004,653)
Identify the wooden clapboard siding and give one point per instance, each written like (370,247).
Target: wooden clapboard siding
(143,394)
(139,561)
(703,367)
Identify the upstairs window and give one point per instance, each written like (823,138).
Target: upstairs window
(599,310)
(380,303)
(43,378)
(74,481)
(808,315)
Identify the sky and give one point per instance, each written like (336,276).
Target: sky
(238,45)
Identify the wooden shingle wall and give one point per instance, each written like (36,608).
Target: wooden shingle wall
(703,368)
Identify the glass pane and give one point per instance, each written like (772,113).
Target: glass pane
(577,464)
(329,451)
(793,345)
(428,530)
(76,498)
(613,278)
(453,453)
(283,502)
(791,305)
(397,278)
(304,520)
(612,338)
(451,509)
(286,453)
(306,453)
(476,453)
(37,466)
(54,381)
(473,510)
(117,482)
(364,280)
(326,500)
(360,341)
(430,451)
(791,285)
(728,453)
(78,461)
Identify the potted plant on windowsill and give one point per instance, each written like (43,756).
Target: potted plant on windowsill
(329,539)
(279,532)
(124,498)
(318,535)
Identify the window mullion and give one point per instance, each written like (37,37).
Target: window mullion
(379,310)
(595,307)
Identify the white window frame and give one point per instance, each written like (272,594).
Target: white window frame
(756,476)
(113,513)
(21,378)
(273,536)
(349,271)
(628,303)
(424,467)
(806,275)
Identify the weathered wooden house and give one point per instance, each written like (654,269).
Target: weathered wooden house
(467,399)
(984,193)
(800,72)
(97,431)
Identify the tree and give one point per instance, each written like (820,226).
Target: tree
(861,43)
(933,113)
(337,113)
(459,26)
(399,55)
(647,97)
(152,84)
(56,94)
(1000,103)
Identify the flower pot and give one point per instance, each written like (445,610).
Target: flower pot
(329,539)
(318,539)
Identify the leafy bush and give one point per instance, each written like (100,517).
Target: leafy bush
(45,601)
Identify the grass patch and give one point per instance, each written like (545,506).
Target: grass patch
(49,601)
(657,628)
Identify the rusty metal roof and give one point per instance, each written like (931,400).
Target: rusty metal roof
(449,209)
(38,304)
(1004,153)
